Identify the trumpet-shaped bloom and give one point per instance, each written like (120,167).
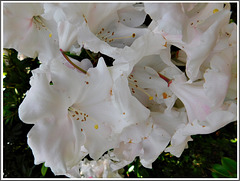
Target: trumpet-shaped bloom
(150,138)
(70,110)
(27,30)
(194,31)
(104,27)
(205,103)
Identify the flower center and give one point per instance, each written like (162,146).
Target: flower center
(133,83)
(109,36)
(140,89)
(78,115)
(38,21)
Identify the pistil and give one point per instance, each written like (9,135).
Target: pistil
(169,81)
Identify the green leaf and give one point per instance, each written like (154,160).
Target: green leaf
(234,140)
(229,164)
(143,172)
(216,175)
(221,170)
(44,170)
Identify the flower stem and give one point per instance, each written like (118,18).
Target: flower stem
(66,57)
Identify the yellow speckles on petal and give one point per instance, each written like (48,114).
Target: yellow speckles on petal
(50,35)
(215,11)
(150,98)
(96,126)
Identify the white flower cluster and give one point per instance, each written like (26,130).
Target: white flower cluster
(168,80)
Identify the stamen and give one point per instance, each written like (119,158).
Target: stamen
(96,126)
(108,38)
(215,11)
(142,90)
(37,21)
(85,19)
(66,57)
(132,36)
(77,115)
(164,94)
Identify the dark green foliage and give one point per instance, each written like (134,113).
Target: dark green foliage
(228,169)
(18,161)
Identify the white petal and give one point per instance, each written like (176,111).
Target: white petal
(131,109)
(170,17)
(128,151)
(41,98)
(99,140)
(67,34)
(214,121)
(154,145)
(217,78)
(57,142)
(177,150)
(131,16)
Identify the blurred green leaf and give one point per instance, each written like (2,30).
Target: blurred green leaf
(44,169)
(221,170)
(229,164)
(227,169)
(233,140)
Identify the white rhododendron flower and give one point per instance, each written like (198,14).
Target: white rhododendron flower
(194,31)
(112,87)
(70,100)
(28,31)
(104,27)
